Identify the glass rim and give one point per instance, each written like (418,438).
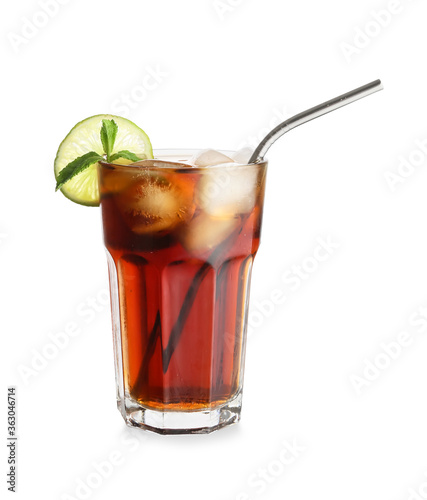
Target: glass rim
(177,152)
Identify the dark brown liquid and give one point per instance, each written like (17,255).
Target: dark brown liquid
(182,312)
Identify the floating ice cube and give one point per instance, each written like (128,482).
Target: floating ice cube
(205,232)
(228,191)
(155,203)
(242,156)
(209,158)
(114,181)
(159,164)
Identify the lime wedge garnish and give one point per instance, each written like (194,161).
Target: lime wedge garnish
(84,138)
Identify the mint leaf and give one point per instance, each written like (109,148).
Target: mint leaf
(76,167)
(127,155)
(108,136)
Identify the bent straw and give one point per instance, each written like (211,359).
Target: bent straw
(311,114)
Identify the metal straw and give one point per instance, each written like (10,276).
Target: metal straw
(311,114)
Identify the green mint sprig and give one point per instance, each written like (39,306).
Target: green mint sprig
(76,167)
(108,134)
(124,154)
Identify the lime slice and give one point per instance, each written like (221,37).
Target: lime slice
(85,137)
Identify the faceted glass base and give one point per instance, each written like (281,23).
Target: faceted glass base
(181,422)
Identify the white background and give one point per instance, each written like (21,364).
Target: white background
(227,71)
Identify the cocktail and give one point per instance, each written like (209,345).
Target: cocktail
(181,230)
(180,240)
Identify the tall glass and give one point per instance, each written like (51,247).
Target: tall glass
(180,243)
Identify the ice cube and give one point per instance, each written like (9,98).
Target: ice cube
(156,204)
(242,156)
(209,158)
(205,232)
(228,191)
(159,164)
(113,181)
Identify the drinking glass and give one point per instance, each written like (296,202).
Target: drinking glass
(180,244)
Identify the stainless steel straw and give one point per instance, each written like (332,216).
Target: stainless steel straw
(311,114)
